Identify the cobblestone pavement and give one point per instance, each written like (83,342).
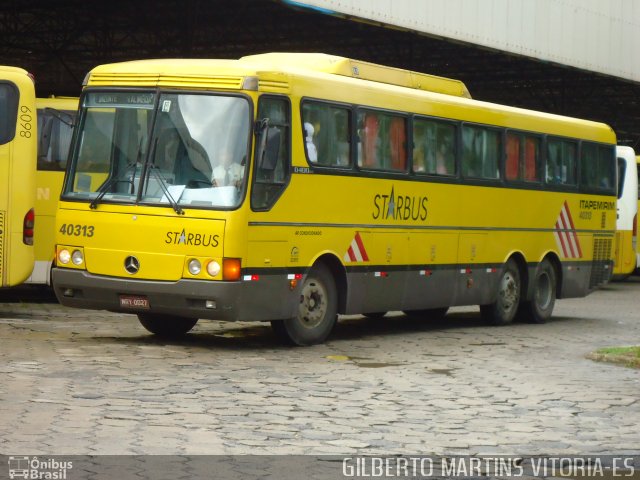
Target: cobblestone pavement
(83,382)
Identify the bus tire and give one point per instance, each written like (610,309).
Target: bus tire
(166,326)
(428,313)
(317,311)
(504,309)
(540,307)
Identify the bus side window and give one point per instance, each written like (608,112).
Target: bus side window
(522,161)
(272,171)
(326,134)
(597,167)
(561,161)
(434,147)
(383,141)
(481,151)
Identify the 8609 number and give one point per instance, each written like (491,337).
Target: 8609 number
(77,230)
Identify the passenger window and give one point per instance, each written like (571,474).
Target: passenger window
(481,150)
(522,158)
(561,162)
(597,167)
(434,147)
(382,141)
(326,130)
(272,169)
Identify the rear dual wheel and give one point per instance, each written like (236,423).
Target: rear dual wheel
(540,307)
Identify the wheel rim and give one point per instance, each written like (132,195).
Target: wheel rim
(509,292)
(543,291)
(313,304)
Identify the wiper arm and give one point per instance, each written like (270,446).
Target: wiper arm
(165,190)
(102,191)
(60,115)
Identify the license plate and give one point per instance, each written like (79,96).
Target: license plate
(134,301)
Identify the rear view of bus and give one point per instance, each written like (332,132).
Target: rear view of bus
(17,175)
(56,116)
(626,224)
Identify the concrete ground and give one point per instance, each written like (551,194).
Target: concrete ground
(85,382)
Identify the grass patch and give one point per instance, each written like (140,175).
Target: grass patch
(627,356)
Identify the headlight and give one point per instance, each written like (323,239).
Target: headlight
(194,266)
(64,256)
(213,268)
(77,258)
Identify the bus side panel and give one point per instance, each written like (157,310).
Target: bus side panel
(428,284)
(17,184)
(627,209)
(625,255)
(581,278)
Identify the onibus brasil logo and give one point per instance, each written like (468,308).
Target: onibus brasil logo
(35,468)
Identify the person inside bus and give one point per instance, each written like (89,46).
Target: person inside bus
(444,158)
(312,151)
(228,172)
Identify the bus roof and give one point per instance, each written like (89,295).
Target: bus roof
(59,103)
(282,72)
(298,62)
(7,68)
(348,67)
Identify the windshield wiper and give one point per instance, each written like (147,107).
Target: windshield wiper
(161,180)
(102,191)
(64,117)
(165,189)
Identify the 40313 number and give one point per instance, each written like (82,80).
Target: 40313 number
(77,230)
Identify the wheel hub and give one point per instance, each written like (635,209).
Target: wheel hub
(313,305)
(509,292)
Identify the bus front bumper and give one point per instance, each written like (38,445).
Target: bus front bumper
(187,298)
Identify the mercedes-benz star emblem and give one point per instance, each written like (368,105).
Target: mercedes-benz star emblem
(131,264)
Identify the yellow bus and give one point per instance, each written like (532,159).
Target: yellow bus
(291,188)
(627,214)
(637,219)
(17,174)
(55,117)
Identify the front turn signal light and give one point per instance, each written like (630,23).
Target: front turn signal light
(231,268)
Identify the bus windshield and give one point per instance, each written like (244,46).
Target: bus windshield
(161,148)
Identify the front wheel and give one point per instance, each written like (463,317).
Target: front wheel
(540,308)
(504,309)
(317,312)
(166,326)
